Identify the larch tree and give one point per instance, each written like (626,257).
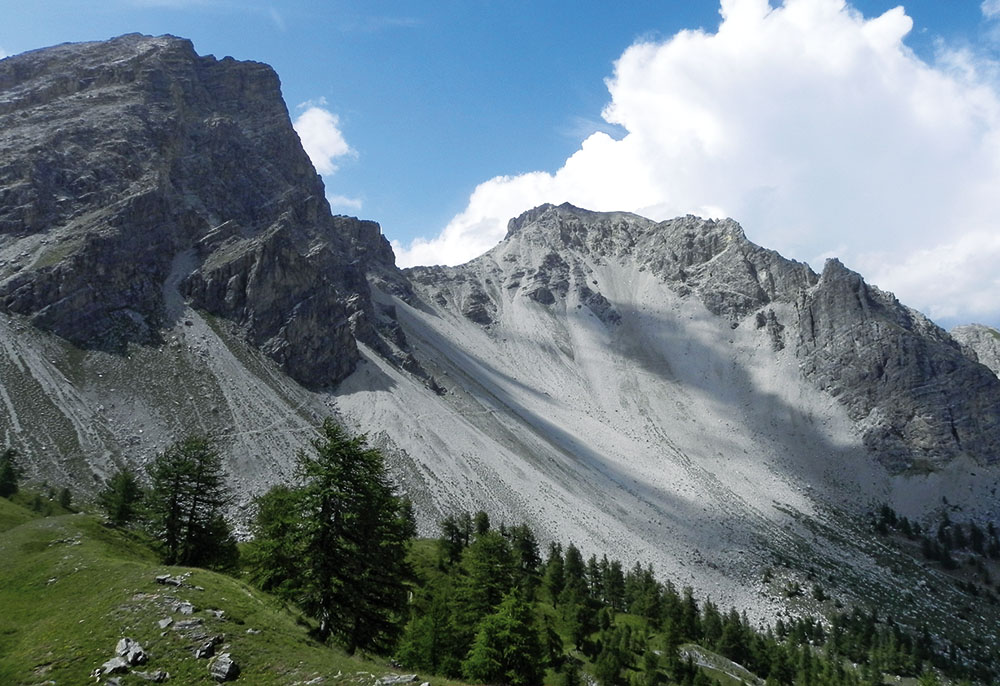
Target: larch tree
(354,541)
(185,505)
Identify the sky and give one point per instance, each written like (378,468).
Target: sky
(869,131)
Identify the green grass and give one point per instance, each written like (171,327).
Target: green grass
(12,514)
(70,587)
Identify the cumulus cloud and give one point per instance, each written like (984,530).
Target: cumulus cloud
(344,202)
(991,9)
(815,127)
(319,131)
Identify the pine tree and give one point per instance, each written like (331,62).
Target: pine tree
(507,648)
(185,504)
(555,572)
(489,574)
(526,556)
(274,556)
(121,496)
(10,473)
(355,534)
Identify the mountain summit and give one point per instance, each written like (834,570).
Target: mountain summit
(667,392)
(136,170)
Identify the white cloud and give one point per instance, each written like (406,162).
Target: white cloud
(816,128)
(343,201)
(990,8)
(319,131)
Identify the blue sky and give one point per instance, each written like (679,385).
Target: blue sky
(422,105)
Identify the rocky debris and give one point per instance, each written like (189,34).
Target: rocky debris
(980,343)
(188,624)
(224,668)
(128,653)
(167,580)
(165,622)
(157,677)
(205,650)
(116,665)
(131,651)
(393,679)
(185,608)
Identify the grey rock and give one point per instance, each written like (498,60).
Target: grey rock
(205,650)
(188,624)
(224,668)
(116,665)
(167,580)
(165,622)
(124,154)
(980,343)
(391,679)
(184,608)
(131,651)
(158,677)
(917,400)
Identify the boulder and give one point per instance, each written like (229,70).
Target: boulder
(131,652)
(224,668)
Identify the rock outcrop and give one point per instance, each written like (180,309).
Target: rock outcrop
(980,343)
(134,168)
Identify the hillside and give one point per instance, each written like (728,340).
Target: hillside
(70,588)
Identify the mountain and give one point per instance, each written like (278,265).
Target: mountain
(667,392)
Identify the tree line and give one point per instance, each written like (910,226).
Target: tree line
(482,602)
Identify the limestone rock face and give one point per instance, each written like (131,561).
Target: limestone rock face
(915,398)
(120,157)
(980,343)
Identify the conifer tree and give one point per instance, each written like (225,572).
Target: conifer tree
(274,556)
(121,496)
(555,573)
(185,503)
(354,538)
(10,473)
(507,648)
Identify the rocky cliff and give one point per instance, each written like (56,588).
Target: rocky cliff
(980,343)
(135,162)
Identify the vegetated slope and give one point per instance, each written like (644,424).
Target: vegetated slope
(70,588)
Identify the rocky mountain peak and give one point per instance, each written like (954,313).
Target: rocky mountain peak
(136,170)
(916,401)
